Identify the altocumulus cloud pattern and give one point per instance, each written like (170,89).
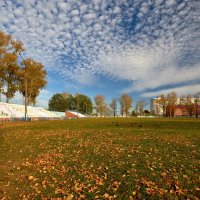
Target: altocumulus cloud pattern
(154,44)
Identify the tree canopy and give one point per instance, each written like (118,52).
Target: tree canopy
(9,52)
(125,104)
(113,106)
(79,102)
(100,104)
(83,104)
(58,103)
(14,73)
(35,75)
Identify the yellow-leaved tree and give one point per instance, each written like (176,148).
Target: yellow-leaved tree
(34,74)
(9,68)
(100,105)
(125,104)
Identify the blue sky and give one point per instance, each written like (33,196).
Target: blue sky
(140,47)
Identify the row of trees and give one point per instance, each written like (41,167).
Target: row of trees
(15,71)
(168,104)
(84,105)
(125,102)
(103,109)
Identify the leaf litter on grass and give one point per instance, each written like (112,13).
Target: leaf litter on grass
(99,163)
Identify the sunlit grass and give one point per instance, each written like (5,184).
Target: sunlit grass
(101,159)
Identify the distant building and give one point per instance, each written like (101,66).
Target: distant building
(180,108)
(155,107)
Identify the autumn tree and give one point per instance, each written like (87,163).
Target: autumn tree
(125,104)
(122,106)
(9,76)
(2,77)
(1,80)
(171,104)
(161,102)
(196,104)
(35,75)
(4,42)
(113,106)
(100,104)
(188,103)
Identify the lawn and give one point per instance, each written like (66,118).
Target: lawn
(100,159)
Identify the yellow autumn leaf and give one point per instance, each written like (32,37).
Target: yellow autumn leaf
(134,193)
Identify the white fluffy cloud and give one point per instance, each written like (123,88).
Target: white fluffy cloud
(150,43)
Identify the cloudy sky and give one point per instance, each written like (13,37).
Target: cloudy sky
(109,47)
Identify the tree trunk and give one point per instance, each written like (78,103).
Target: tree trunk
(196,113)
(163,111)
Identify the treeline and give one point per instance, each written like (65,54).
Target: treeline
(15,71)
(83,104)
(125,102)
(188,105)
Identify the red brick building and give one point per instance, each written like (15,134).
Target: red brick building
(182,110)
(177,110)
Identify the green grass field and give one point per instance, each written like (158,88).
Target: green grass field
(100,159)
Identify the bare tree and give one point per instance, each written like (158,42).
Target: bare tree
(113,106)
(136,110)
(196,104)
(141,105)
(122,106)
(171,104)
(188,102)
(108,111)
(100,104)
(162,103)
(125,104)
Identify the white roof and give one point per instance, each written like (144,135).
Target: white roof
(77,114)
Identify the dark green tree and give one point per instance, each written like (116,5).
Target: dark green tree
(58,103)
(71,102)
(83,104)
